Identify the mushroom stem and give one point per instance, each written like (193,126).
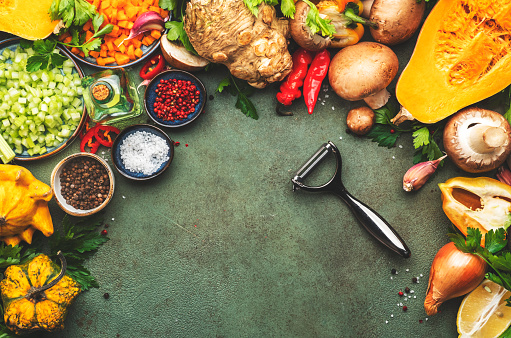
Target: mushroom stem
(484,139)
(366,8)
(378,99)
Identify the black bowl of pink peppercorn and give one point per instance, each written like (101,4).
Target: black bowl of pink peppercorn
(175,98)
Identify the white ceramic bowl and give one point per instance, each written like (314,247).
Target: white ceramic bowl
(56,186)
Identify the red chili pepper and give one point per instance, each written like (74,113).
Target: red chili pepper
(89,140)
(102,134)
(290,88)
(153,67)
(315,76)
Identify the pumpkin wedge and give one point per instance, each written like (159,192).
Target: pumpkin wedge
(28,19)
(462,56)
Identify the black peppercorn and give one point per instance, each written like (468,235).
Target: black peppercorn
(414,280)
(106,295)
(407,289)
(393,271)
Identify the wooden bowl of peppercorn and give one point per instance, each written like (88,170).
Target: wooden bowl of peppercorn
(83,184)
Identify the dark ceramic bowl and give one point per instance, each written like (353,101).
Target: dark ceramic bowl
(150,97)
(119,163)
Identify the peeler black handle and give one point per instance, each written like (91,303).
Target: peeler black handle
(375,224)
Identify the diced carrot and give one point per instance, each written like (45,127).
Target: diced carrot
(94,54)
(122,48)
(102,53)
(111,53)
(96,3)
(164,13)
(67,40)
(121,58)
(137,42)
(155,9)
(130,25)
(104,4)
(100,61)
(88,35)
(82,54)
(156,34)
(87,26)
(118,41)
(131,52)
(115,31)
(75,50)
(123,23)
(110,45)
(138,52)
(64,36)
(121,16)
(132,12)
(148,40)
(109,60)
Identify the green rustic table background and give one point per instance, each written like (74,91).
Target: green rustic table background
(220,245)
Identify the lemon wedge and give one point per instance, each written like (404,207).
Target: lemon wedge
(483,312)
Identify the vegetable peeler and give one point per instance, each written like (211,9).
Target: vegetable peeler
(370,219)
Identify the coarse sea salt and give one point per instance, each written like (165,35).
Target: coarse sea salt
(143,152)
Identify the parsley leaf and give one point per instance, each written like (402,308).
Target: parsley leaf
(246,106)
(318,24)
(494,241)
(420,137)
(45,57)
(168,4)
(223,84)
(35,62)
(176,31)
(288,8)
(97,21)
(382,134)
(253,6)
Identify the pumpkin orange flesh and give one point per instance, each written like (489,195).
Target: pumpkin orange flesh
(28,19)
(461,57)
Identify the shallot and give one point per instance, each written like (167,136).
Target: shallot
(147,21)
(453,273)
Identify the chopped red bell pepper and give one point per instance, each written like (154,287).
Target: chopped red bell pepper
(89,140)
(102,134)
(153,67)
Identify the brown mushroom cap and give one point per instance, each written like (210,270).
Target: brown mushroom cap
(302,34)
(362,70)
(397,20)
(477,140)
(360,120)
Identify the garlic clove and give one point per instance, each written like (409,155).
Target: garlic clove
(419,174)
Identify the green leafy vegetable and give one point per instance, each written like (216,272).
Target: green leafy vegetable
(168,4)
(318,24)
(493,253)
(243,103)
(46,55)
(72,12)
(288,8)
(176,31)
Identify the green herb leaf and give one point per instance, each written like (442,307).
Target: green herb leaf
(223,84)
(97,21)
(384,114)
(288,8)
(36,62)
(26,43)
(383,136)
(246,106)
(167,4)
(495,241)
(174,30)
(45,46)
(57,60)
(459,242)
(420,137)
(318,24)
(83,12)
(253,6)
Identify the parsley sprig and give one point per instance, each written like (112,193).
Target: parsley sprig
(243,91)
(494,253)
(425,137)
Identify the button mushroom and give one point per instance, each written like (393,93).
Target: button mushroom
(363,72)
(302,33)
(477,140)
(360,120)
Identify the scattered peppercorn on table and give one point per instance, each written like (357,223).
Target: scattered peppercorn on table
(220,245)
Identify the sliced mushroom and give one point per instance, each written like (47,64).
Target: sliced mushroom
(177,56)
(302,34)
(363,72)
(477,140)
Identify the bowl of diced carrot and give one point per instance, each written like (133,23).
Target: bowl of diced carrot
(115,50)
